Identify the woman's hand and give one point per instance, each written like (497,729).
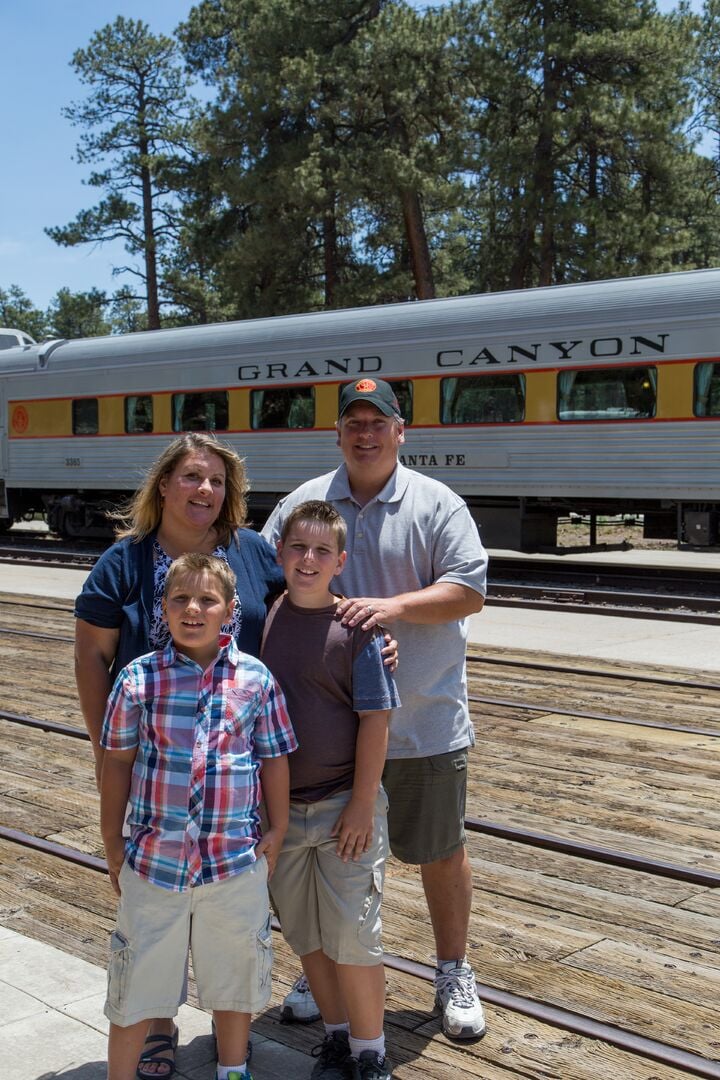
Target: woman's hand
(390,653)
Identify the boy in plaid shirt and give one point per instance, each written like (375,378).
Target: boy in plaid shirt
(188,730)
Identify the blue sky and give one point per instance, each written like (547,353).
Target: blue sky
(40,184)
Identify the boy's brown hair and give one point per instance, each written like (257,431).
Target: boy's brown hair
(324,513)
(196,563)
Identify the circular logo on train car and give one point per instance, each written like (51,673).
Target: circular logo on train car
(365,386)
(20,419)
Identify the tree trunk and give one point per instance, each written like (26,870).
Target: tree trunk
(330,253)
(151,282)
(418,245)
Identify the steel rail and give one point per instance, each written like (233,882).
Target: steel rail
(476,699)
(577,1023)
(553,1015)
(45,725)
(620,612)
(592,852)
(566,669)
(623,597)
(37,634)
(5,600)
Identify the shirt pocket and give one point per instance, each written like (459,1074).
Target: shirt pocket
(241,709)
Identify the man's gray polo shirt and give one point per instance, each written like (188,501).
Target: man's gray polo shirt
(414,533)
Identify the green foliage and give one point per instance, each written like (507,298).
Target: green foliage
(363,151)
(582,155)
(78,315)
(135,123)
(18,313)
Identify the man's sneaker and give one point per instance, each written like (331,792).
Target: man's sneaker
(333,1056)
(456,995)
(299,1005)
(370,1066)
(232,1075)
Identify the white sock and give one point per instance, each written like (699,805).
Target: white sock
(358,1045)
(222,1072)
(445,965)
(329,1028)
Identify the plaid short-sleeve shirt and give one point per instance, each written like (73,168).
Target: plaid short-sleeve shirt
(200,736)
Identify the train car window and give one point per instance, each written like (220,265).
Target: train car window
(483,399)
(706,399)
(282,408)
(621,393)
(85,416)
(203,411)
(138,414)
(403,392)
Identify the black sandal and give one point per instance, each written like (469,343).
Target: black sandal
(163,1044)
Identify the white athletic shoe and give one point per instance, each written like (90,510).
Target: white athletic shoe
(457,997)
(299,1005)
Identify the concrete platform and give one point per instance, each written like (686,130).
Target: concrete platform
(669,558)
(52,1023)
(607,637)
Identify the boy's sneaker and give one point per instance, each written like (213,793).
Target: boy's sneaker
(333,1056)
(370,1066)
(232,1075)
(299,1005)
(456,995)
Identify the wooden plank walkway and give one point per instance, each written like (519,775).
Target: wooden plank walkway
(626,948)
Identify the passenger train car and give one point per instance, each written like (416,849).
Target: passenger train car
(601,397)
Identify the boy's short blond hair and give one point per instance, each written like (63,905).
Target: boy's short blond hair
(197,563)
(321,512)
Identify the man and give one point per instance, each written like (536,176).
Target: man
(416,565)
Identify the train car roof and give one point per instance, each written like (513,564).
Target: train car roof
(576,307)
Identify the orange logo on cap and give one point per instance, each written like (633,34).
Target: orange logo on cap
(366,386)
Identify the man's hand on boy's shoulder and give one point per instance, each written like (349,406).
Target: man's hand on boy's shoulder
(369,611)
(354,828)
(270,846)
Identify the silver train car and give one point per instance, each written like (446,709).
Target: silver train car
(599,398)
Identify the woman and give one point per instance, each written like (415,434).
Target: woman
(193,500)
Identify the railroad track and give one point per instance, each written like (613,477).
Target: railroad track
(480,825)
(679,595)
(509,854)
(564,1019)
(48,554)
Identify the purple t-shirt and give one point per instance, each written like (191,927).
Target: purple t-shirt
(328,673)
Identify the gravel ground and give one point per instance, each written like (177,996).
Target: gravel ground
(612,533)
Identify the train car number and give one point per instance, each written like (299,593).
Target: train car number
(72,462)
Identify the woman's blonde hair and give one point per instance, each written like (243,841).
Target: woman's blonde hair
(142,514)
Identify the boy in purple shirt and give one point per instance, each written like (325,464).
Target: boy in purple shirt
(188,730)
(328,884)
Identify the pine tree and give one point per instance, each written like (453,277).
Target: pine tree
(581,138)
(135,120)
